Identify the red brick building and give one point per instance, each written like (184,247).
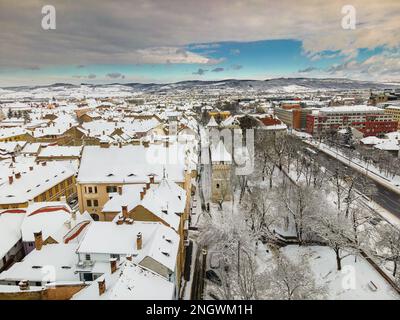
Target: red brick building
(371,121)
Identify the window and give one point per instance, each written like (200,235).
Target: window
(95,203)
(217,185)
(87,257)
(89,203)
(88,276)
(111,189)
(90,190)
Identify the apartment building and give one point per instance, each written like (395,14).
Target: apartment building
(46,181)
(104,170)
(394,112)
(369,120)
(293,115)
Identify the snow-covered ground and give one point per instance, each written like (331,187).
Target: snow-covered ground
(340,283)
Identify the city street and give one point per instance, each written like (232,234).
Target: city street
(384,197)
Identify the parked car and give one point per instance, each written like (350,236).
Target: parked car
(213,277)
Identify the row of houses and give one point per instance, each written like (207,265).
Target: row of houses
(133,180)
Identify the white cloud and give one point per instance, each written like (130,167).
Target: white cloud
(88,33)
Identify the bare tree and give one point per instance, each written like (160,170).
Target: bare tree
(292,281)
(336,231)
(388,246)
(257,207)
(229,235)
(266,162)
(300,203)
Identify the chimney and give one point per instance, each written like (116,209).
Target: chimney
(102,286)
(152,179)
(125,212)
(44,163)
(18,175)
(13,158)
(120,191)
(68,224)
(141,195)
(129,257)
(31,168)
(38,240)
(145,144)
(147,185)
(10,179)
(113,265)
(23,285)
(139,241)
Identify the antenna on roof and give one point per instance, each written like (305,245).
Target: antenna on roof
(163,172)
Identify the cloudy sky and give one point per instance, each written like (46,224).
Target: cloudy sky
(101,41)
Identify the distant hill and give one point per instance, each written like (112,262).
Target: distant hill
(268,85)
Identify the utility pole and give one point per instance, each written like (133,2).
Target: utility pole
(203,271)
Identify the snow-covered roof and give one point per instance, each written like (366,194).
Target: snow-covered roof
(280,126)
(212,123)
(10,226)
(53,263)
(371,140)
(130,164)
(351,109)
(229,121)
(11,146)
(60,151)
(11,132)
(388,145)
(130,197)
(31,148)
(166,200)
(34,182)
(130,282)
(395,135)
(102,127)
(219,153)
(47,217)
(159,241)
